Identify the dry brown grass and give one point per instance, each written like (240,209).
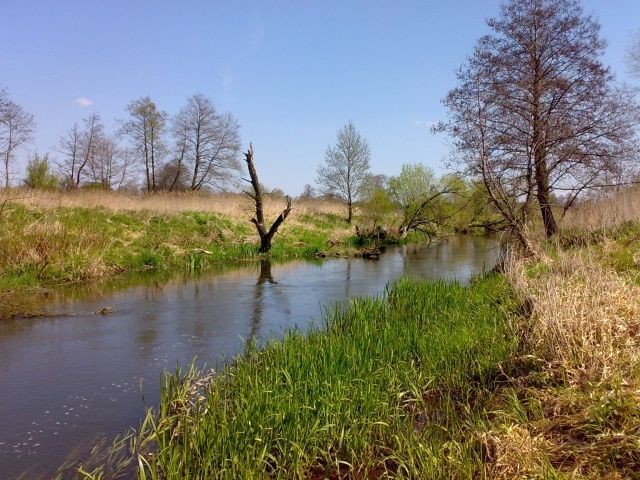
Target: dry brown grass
(234,205)
(585,317)
(579,417)
(606,212)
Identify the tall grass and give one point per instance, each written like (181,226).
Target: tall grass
(577,415)
(392,387)
(50,238)
(607,211)
(235,205)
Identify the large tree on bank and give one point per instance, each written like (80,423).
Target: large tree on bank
(536,115)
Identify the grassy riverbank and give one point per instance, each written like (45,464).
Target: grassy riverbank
(393,386)
(533,374)
(49,239)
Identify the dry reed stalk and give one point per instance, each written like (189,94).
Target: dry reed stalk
(230,204)
(606,212)
(585,318)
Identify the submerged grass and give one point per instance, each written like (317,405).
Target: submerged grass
(394,386)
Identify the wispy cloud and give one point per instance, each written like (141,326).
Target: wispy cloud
(226,77)
(428,124)
(83,101)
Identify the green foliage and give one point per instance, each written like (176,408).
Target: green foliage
(414,183)
(39,174)
(378,209)
(467,206)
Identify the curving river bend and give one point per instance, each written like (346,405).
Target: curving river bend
(68,380)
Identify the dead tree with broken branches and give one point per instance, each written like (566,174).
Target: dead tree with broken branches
(266,235)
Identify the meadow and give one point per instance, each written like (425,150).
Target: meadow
(50,238)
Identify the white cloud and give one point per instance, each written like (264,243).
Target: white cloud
(83,101)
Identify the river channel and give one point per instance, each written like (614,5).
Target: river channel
(68,380)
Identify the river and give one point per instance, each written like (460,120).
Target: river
(66,381)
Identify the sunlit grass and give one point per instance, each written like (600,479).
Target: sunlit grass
(91,235)
(388,388)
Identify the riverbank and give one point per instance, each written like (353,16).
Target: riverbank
(531,374)
(392,386)
(49,239)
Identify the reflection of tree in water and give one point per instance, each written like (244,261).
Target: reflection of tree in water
(265,277)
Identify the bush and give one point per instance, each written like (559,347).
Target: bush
(39,174)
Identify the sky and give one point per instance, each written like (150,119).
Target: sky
(291,72)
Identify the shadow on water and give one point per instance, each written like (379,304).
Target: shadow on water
(69,379)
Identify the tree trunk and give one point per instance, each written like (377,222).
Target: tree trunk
(6,169)
(350,214)
(266,236)
(544,199)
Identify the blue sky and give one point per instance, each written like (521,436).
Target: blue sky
(292,72)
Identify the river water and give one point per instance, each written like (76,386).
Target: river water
(68,380)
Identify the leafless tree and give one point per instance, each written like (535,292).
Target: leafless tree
(633,55)
(536,115)
(91,139)
(266,234)
(307,192)
(207,143)
(16,128)
(173,177)
(111,166)
(346,166)
(70,146)
(145,128)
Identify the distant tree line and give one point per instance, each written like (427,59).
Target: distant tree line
(196,149)
(536,122)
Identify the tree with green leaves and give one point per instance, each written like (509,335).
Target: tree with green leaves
(39,174)
(420,196)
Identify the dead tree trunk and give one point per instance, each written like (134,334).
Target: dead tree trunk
(266,235)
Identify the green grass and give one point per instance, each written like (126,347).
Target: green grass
(50,247)
(391,386)
(616,247)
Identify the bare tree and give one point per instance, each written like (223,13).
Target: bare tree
(266,234)
(633,55)
(207,142)
(90,140)
(307,192)
(16,128)
(346,166)
(536,115)
(111,165)
(145,128)
(70,149)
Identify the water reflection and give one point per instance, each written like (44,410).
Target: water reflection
(265,278)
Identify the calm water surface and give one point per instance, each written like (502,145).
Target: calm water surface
(68,380)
